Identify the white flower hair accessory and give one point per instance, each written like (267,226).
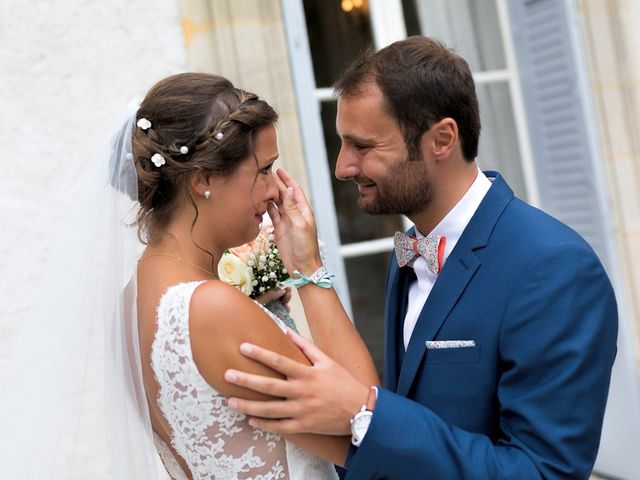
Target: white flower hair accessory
(143,123)
(158,160)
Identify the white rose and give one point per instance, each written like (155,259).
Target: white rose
(231,270)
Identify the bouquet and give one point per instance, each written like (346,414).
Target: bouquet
(255,268)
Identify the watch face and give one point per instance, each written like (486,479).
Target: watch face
(361,424)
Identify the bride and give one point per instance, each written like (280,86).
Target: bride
(193,170)
(204,153)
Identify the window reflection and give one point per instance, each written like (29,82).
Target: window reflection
(498,149)
(336,37)
(471,27)
(367,276)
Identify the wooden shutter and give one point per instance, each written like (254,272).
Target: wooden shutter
(561,138)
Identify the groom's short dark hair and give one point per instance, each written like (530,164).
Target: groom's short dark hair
(422,82)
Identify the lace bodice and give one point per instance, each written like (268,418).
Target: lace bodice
(215,441)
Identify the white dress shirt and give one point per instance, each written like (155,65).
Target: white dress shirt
(451,226)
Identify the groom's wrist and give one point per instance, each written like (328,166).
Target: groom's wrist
(362,419)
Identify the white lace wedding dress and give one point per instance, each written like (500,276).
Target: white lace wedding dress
(215,441)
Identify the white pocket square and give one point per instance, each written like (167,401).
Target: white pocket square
(438,344)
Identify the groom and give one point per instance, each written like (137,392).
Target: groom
(499,336)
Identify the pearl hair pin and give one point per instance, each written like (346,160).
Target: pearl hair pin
(144,124)
(158,160)
(219,136)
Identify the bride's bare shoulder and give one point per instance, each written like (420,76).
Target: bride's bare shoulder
(217,294)
(218,309)
(220,319)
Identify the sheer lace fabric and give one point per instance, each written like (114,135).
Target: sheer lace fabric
(215,441)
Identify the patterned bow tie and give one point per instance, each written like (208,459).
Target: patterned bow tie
(408,249)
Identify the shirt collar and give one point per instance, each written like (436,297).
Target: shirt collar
(454,223)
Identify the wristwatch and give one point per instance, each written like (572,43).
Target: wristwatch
(361,420)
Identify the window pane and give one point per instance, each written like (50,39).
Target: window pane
(471,27)
(354,225)
(367,276)
(335,37)
(498,141)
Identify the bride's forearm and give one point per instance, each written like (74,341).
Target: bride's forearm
(329,447)
(334,333)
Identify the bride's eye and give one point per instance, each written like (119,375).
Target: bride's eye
(266,170)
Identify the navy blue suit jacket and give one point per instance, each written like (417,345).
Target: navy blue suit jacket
(528,400)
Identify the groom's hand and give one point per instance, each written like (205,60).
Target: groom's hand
(320,398)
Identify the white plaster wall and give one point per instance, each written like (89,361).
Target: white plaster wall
(67,71)
(68,68)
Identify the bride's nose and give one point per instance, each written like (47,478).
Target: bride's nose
(272,189)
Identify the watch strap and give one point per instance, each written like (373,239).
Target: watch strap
(372,398)
(368,407)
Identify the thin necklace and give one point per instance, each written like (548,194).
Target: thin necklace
(180,259)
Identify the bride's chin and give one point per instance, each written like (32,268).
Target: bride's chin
(249,237)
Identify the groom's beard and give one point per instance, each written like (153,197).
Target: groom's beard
(406,189)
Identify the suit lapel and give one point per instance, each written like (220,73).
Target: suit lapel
(395,309)
(456,274)
(391,319)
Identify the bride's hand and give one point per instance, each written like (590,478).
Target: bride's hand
(282,294)
(295,227)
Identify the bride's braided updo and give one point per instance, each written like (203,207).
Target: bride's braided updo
(206,114)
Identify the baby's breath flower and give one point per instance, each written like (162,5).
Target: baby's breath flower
(262,259)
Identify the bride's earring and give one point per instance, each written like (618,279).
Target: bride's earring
(207,194)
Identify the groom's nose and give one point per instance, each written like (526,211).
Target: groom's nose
(347,166)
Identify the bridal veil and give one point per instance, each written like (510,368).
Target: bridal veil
(74,405)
